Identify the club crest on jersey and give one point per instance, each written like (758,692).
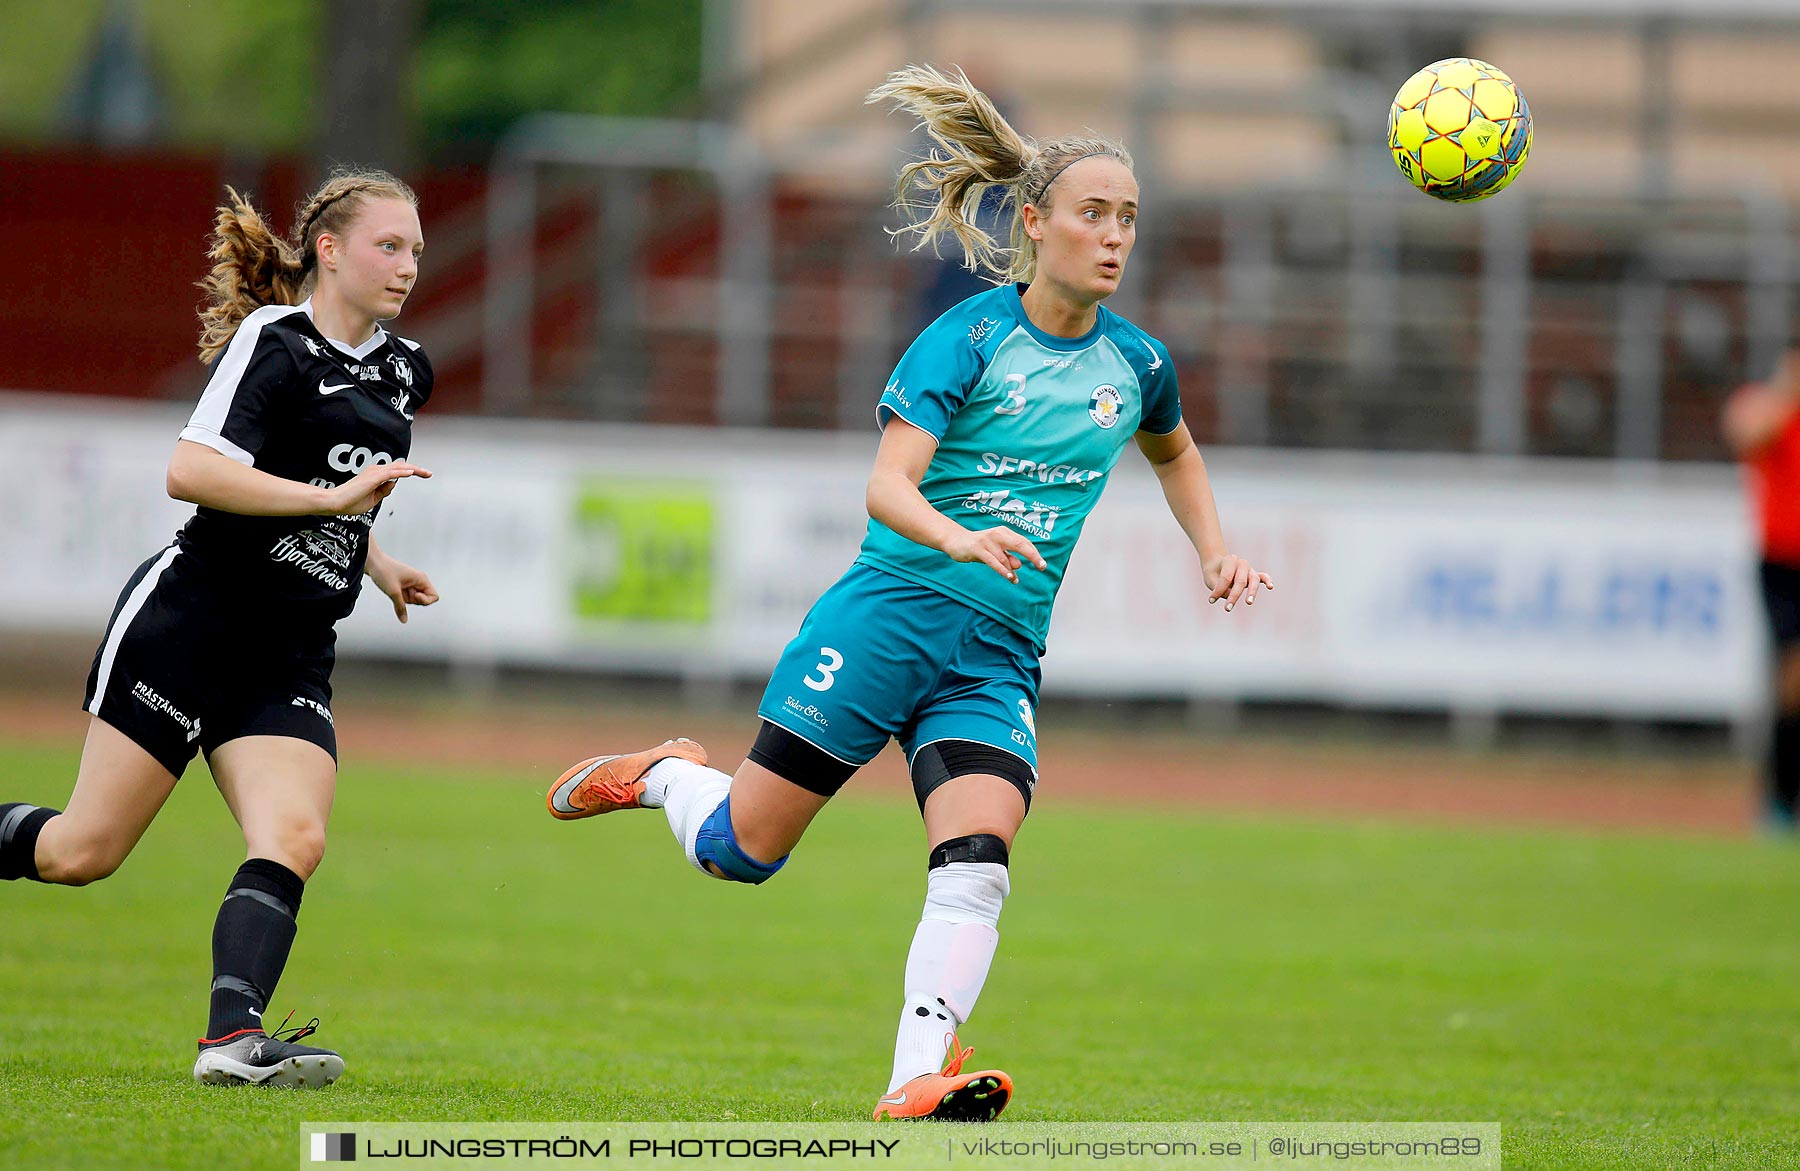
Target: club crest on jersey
(402,369)
(1104,404)
(1025,715)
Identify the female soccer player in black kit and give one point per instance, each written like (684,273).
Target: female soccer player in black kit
(223,642)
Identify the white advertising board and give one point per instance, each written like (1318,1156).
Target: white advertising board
(1429,582)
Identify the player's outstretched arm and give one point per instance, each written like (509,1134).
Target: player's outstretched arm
(403,584)
(894,500)
(200,475)
(1188,490)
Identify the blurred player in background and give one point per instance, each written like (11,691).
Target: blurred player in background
(223,642)
(1762,426)
(999,429)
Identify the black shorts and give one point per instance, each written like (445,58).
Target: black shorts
(182,670)
(1781,598)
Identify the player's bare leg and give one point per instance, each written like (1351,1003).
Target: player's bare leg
(770,813)
(280,790)
(119,790)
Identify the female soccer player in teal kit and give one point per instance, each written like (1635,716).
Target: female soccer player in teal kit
(998,431)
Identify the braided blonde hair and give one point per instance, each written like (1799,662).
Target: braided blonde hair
(977,151)
(253,267)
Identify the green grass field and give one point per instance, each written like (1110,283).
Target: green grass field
(1612,1000)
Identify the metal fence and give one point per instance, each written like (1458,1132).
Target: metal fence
(690,272)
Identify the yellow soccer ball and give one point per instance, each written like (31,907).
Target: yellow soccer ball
(1459,130)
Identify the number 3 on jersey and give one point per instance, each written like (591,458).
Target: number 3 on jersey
(829,662)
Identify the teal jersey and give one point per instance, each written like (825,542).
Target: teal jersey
(1029,427)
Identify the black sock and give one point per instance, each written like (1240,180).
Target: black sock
(251,938)
(1784,765)
(19,827)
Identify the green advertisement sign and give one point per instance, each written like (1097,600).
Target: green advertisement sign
(644,551)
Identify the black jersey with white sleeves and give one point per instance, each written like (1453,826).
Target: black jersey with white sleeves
(286,400)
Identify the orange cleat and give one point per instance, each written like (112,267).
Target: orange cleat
(950,1096)
(606,783)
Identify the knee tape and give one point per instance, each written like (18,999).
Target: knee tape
(974,848)
(967,880)
(717,843)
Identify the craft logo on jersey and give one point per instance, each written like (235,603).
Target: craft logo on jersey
(982,330)
(1104,404)
(402,369)
(1037,519)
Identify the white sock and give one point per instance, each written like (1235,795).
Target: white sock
(951,953)
(660,776)
(687,793)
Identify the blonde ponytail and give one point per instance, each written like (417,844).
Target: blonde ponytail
(976,151)
(254,267)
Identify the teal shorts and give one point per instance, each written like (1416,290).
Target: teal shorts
(879,656)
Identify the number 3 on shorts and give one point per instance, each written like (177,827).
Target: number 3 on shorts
(829,662)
